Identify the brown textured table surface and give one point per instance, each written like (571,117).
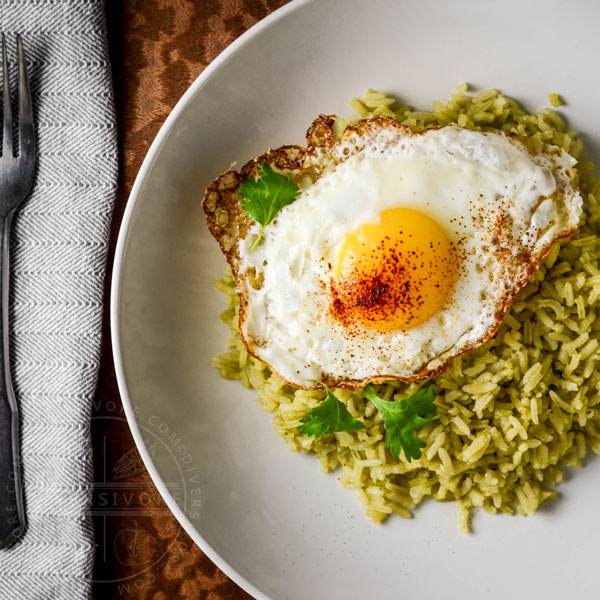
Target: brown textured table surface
(158,48)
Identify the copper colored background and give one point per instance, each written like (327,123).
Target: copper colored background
(158,48)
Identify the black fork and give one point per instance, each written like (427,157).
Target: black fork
(17,166)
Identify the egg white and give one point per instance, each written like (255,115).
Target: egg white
(460,179)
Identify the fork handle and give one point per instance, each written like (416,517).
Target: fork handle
(12,513)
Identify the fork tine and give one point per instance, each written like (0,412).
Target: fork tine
(26,128)
(7,137)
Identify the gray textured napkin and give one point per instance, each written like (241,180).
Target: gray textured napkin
(59,245)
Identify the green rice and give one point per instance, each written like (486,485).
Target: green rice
(514,412)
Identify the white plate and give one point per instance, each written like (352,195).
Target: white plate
(268,517)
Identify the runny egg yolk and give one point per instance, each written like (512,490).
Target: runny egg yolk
(393,275)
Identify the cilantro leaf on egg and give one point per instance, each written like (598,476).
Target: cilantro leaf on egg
(266,196)
(403,418)
(330,416)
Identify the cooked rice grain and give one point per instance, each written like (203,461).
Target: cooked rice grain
(512,411)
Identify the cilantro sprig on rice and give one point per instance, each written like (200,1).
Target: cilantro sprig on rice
(401,419)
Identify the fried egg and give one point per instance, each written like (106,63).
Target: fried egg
(402,251)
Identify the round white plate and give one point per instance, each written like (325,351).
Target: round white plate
(268,517)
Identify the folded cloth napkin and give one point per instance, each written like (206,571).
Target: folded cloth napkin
(58,255)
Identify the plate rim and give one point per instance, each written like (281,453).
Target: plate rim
(115,291)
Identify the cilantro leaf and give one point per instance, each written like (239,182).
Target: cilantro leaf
(266,196)
(329,417)
(402,418)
